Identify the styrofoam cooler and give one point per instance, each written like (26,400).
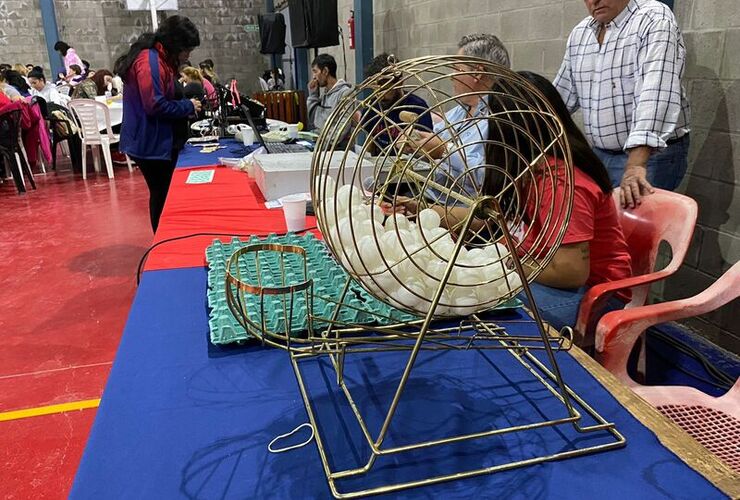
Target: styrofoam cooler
(278,175)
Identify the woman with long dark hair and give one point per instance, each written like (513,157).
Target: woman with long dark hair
(593,249)
(154,128)
(70,56)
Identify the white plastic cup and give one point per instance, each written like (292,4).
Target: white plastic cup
(293,131)
(294,210)
(248,136)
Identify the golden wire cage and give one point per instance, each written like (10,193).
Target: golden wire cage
(468,242)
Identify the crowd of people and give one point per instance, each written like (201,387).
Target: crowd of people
(634,109)
(23,86)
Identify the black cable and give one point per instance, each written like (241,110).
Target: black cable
(195,235)
(721,379)
(690,351)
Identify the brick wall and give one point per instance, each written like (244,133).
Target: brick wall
(22,33)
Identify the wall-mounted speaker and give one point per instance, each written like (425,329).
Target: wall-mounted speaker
(314,23)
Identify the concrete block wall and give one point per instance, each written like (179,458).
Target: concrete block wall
(22,33)
(112,28)
(102,30)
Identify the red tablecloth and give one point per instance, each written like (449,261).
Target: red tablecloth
(231,204)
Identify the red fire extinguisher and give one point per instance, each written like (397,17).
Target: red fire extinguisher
(351,25)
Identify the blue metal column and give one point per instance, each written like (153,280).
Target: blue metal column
(363,37)
(51,33)
(301,69)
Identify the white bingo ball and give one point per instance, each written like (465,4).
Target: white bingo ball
(396,221)
(324,186)
(429,219)
(348,196)
(391,247)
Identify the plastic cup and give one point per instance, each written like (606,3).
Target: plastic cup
(293,131)
(248,136)
(294,210)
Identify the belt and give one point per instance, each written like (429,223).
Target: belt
(667,143)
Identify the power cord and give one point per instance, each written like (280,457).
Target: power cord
(195,235)
(721,379)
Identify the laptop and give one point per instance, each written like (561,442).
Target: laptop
(272,147)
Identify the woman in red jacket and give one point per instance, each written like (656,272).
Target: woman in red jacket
(154,127)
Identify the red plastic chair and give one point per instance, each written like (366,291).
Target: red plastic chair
(662,216)
(714,422)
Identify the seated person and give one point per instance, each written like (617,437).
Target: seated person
(46,90)
(75,76)
(18,82)
(192,83)
(97,83)
(593,249)
(391,103)
(7,89)
(324,90)
(276,82)
(208,72)
(458,139)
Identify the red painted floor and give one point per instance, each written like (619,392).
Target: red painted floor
(68,256)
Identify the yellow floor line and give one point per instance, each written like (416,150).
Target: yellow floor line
(49,410)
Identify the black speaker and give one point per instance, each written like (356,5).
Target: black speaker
(272,33)
(314,23)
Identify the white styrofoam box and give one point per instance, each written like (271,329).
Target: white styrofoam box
(279,175)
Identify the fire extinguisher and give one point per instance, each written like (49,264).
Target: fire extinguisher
(351,26)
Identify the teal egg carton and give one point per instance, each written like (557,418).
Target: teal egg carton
(329,278)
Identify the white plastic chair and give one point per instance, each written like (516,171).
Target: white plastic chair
(86,112)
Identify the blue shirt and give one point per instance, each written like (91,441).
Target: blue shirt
(409,102)
(465,136)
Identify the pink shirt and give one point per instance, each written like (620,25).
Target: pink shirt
(72,58)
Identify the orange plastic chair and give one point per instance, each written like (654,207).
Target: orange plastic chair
(662,216)
(714,422)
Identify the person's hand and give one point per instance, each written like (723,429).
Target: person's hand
(634,186)
(313,85)
(196,105)
(427,143)
(403,206)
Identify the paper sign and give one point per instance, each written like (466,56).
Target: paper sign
(200,177)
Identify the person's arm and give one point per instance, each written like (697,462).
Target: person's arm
(565,83)
(657,106)
(147,71)
(313,103)
(569,267)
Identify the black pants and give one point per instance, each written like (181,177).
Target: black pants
(158,174)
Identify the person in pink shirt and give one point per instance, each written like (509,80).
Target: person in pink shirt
(69,55)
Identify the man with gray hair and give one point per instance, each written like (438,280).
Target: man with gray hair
(458,140)
(484,46)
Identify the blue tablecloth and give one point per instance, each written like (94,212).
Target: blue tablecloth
(182,418)
(191,156)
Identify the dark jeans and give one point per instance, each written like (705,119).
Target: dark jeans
(158,175)
(559,307)
(665,169)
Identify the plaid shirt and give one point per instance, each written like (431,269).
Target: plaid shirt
(629,87)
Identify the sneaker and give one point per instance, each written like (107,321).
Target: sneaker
(118,157)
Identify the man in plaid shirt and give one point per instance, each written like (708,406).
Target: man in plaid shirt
(622,67)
